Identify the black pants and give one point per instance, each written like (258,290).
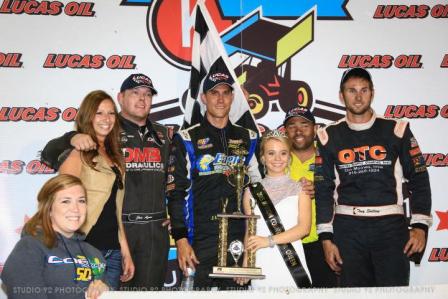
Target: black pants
(372,250)
(149,246)
(321,273)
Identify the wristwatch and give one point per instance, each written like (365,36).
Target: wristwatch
(271,241)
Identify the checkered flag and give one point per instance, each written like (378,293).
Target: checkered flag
(208,53)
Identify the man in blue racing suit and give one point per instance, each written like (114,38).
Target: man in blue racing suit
(197,185)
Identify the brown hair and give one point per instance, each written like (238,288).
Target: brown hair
(356,72)
(41,221)
(84,118)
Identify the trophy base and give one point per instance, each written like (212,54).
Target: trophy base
(231,272)
(238,216)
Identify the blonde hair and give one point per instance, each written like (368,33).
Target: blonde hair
(41,221)
(279,137)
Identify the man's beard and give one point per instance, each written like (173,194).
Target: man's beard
(308,143)
(363,111)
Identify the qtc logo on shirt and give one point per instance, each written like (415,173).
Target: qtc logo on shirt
(362,153)
(362,160)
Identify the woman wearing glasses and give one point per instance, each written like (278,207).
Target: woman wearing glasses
(101,170)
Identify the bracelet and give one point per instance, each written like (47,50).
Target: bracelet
(271,241)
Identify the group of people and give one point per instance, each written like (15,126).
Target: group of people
(118,171)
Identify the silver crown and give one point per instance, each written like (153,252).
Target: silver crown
(276,133)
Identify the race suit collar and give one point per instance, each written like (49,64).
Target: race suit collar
(363,126)
(206,123)
(128,125)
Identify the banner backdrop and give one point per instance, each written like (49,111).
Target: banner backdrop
(52,53)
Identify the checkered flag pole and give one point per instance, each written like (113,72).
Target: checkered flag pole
(208,53)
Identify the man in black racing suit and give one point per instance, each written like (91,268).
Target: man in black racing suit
(197,184)
(145,146)
(361,164)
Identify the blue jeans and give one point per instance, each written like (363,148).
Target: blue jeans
(113,268)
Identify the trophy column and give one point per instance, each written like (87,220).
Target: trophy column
(223,236)
(251,231)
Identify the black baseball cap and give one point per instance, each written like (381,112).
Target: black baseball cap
(302,112)
(215,78)
(137,80)
(356,72)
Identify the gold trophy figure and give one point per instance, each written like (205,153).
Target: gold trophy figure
(236,178)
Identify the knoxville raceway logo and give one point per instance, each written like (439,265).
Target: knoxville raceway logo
(170,30)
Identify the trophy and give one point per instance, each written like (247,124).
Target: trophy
(237,179)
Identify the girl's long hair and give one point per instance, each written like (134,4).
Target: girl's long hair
(84,119)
